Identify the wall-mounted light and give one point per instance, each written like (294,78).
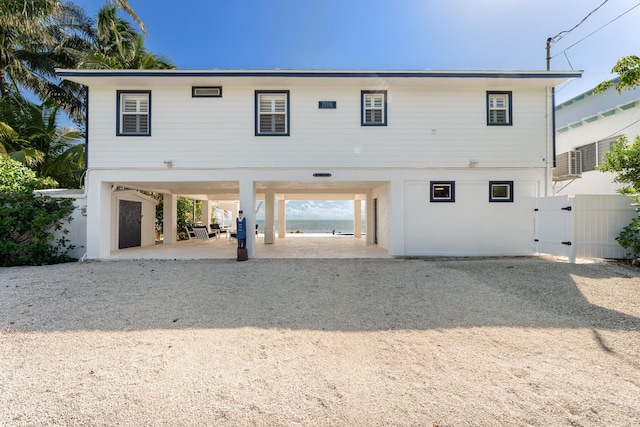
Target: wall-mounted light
(168,163)
(473,163)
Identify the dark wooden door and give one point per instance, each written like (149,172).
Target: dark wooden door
(375,221)
(129,224)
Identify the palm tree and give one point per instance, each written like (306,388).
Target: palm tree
(124,5)
(36,36)
(31,136)
(119,46)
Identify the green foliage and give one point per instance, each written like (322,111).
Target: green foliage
(32,137)
(624,160)
(628,70)
(629,237)
(184,216)
(28,220)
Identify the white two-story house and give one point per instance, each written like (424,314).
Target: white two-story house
(448,163)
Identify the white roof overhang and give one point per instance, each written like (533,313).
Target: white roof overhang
(293,78)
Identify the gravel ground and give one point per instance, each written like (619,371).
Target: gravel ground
(463,342)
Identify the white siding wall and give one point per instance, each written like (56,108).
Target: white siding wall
(426,128)
(472,225)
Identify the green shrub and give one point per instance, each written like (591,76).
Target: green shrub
(28,220)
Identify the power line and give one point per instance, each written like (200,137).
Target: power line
(590,34)
(620,130)
(561,34)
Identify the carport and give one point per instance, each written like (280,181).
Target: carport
(243,193)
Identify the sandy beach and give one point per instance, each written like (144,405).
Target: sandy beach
(291,342)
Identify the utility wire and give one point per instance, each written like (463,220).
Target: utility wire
(620,130)
(592,33)
(561,34)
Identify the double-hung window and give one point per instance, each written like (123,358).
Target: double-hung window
(134,113)
(272,113)
(374,108)
(499,108)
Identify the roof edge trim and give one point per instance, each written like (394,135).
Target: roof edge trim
(330,74)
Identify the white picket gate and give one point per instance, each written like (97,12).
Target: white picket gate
(582,226)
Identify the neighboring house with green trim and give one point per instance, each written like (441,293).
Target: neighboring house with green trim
(586,126)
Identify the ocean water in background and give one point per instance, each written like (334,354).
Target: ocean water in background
(316,225)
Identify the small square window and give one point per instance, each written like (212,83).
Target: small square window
(443,191)
(374,108)
(206,91)
(501,191)
(499,109)
(272,113)
(134,113)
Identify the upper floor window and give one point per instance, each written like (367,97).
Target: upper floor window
(272,113)
(499,108)
(374,108)
(134,113)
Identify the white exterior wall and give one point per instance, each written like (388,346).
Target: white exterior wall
(472,225)
(426,128)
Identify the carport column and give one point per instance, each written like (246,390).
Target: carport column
(269,217)
(205,213)
(282,219)
(369,217)
(357,218)
(396,218)
(248,206)
(99,213)
(170,218)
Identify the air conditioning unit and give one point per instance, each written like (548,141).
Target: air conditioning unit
(568,165)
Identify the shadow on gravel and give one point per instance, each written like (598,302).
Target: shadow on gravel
(336,295)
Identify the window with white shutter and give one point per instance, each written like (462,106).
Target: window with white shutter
(272,113)
(134,113)
(374,108)
(499,108)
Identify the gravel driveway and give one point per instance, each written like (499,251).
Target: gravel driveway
(464,342)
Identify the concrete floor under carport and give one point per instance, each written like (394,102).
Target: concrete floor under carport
(319,246)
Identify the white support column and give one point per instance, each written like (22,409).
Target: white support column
(269,217)
(369,217)
(170,218)
(205,213)
(282,219)
(247,205)
(99,213)
(357,218)
(396,214)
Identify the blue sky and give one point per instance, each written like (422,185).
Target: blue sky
(390,35)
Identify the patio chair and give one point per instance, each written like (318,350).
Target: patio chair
(215,228)
(202,233)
